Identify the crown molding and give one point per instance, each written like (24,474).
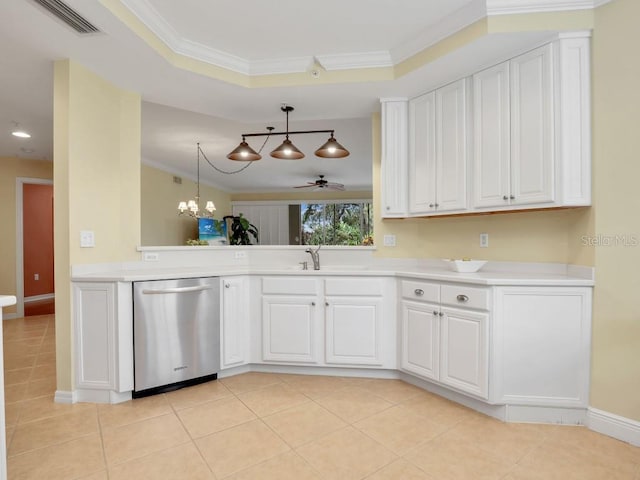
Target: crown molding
(508,7)
(465,16)
(347,61)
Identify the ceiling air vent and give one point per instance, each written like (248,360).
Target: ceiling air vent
(67,15)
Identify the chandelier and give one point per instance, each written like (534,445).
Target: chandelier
(192,207)
(287,150)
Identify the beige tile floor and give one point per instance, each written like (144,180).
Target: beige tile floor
(287,427)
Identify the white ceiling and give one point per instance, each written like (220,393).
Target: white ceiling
(182,108)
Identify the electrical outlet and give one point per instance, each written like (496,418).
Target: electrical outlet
(389,240)
(484,240)
(240,254)
(151,256)
(87,239)
(36,276)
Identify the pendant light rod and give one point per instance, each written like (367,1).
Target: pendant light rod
(286,133)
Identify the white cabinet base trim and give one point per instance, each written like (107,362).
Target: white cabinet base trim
(63,396)
(614,426)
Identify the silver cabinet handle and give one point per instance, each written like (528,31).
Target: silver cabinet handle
(437,205)
(388,207)
(419,292)
(431,205)
(441,314)
(462,298)
(512,197)
(177,290)
(326,304)
(504,197)
(435,312)
(313,304)
(227,285)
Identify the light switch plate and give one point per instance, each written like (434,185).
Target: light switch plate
(87,239)
(151,256)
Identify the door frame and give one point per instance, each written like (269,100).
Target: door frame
(20,182)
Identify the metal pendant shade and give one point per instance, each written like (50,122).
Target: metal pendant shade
(287,151)
(244,153)
(332,149)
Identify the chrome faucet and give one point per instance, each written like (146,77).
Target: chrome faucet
(315,257)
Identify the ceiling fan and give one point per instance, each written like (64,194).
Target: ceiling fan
(322,183)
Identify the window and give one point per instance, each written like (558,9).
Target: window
(336,223)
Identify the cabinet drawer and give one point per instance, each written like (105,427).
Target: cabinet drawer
(354,286)
(464,296)
(290,286)
(421,291)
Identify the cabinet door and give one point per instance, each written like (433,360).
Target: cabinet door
(353,330)
(464,350)
(234,324)
(422,154)
(491,133)
(451,147)
(532,151)
(393,174)
(95,335)
(420,339)
(289,328)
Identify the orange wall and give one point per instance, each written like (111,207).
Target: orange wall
(38,239)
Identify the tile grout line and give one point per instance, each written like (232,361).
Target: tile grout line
(192,440)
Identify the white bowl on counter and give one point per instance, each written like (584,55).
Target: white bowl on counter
(465,266)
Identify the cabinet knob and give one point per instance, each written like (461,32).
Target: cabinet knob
(313,304)
(435,312)
(326,304)
(504,197)
(388,207)
(437,205)
(419,292)
(512,197)
(226,285)
(441,314)
(462,298)
(431,205)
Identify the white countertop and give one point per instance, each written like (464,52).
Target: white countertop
(485,277)
(6,300)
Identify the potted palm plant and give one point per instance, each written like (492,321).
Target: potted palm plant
(239,229)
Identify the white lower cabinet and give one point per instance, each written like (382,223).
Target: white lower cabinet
(448,345)
(421,339)
(289,328)
(234,322)
(353,330)
(464,350)
(327,321)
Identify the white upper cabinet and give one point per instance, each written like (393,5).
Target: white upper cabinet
(438,150)
(393,171)
(514,136)
(491,145)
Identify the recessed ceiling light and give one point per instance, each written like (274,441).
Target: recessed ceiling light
(20,133)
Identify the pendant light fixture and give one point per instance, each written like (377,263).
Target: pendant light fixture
(192,207)
(287,150)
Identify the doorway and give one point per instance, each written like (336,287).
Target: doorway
(34,247)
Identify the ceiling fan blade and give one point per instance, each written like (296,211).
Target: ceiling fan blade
(335,186)
(306,186)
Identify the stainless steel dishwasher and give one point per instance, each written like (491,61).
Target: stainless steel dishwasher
(176,333)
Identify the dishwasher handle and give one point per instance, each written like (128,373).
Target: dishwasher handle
(198,288)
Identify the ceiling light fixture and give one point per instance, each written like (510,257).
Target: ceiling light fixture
(287,150)
(18,132)
(192,207)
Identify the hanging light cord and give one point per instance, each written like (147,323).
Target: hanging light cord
(235,171)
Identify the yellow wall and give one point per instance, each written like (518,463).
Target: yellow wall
(616,327)
(96,185)
(10,169)
(161,224)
